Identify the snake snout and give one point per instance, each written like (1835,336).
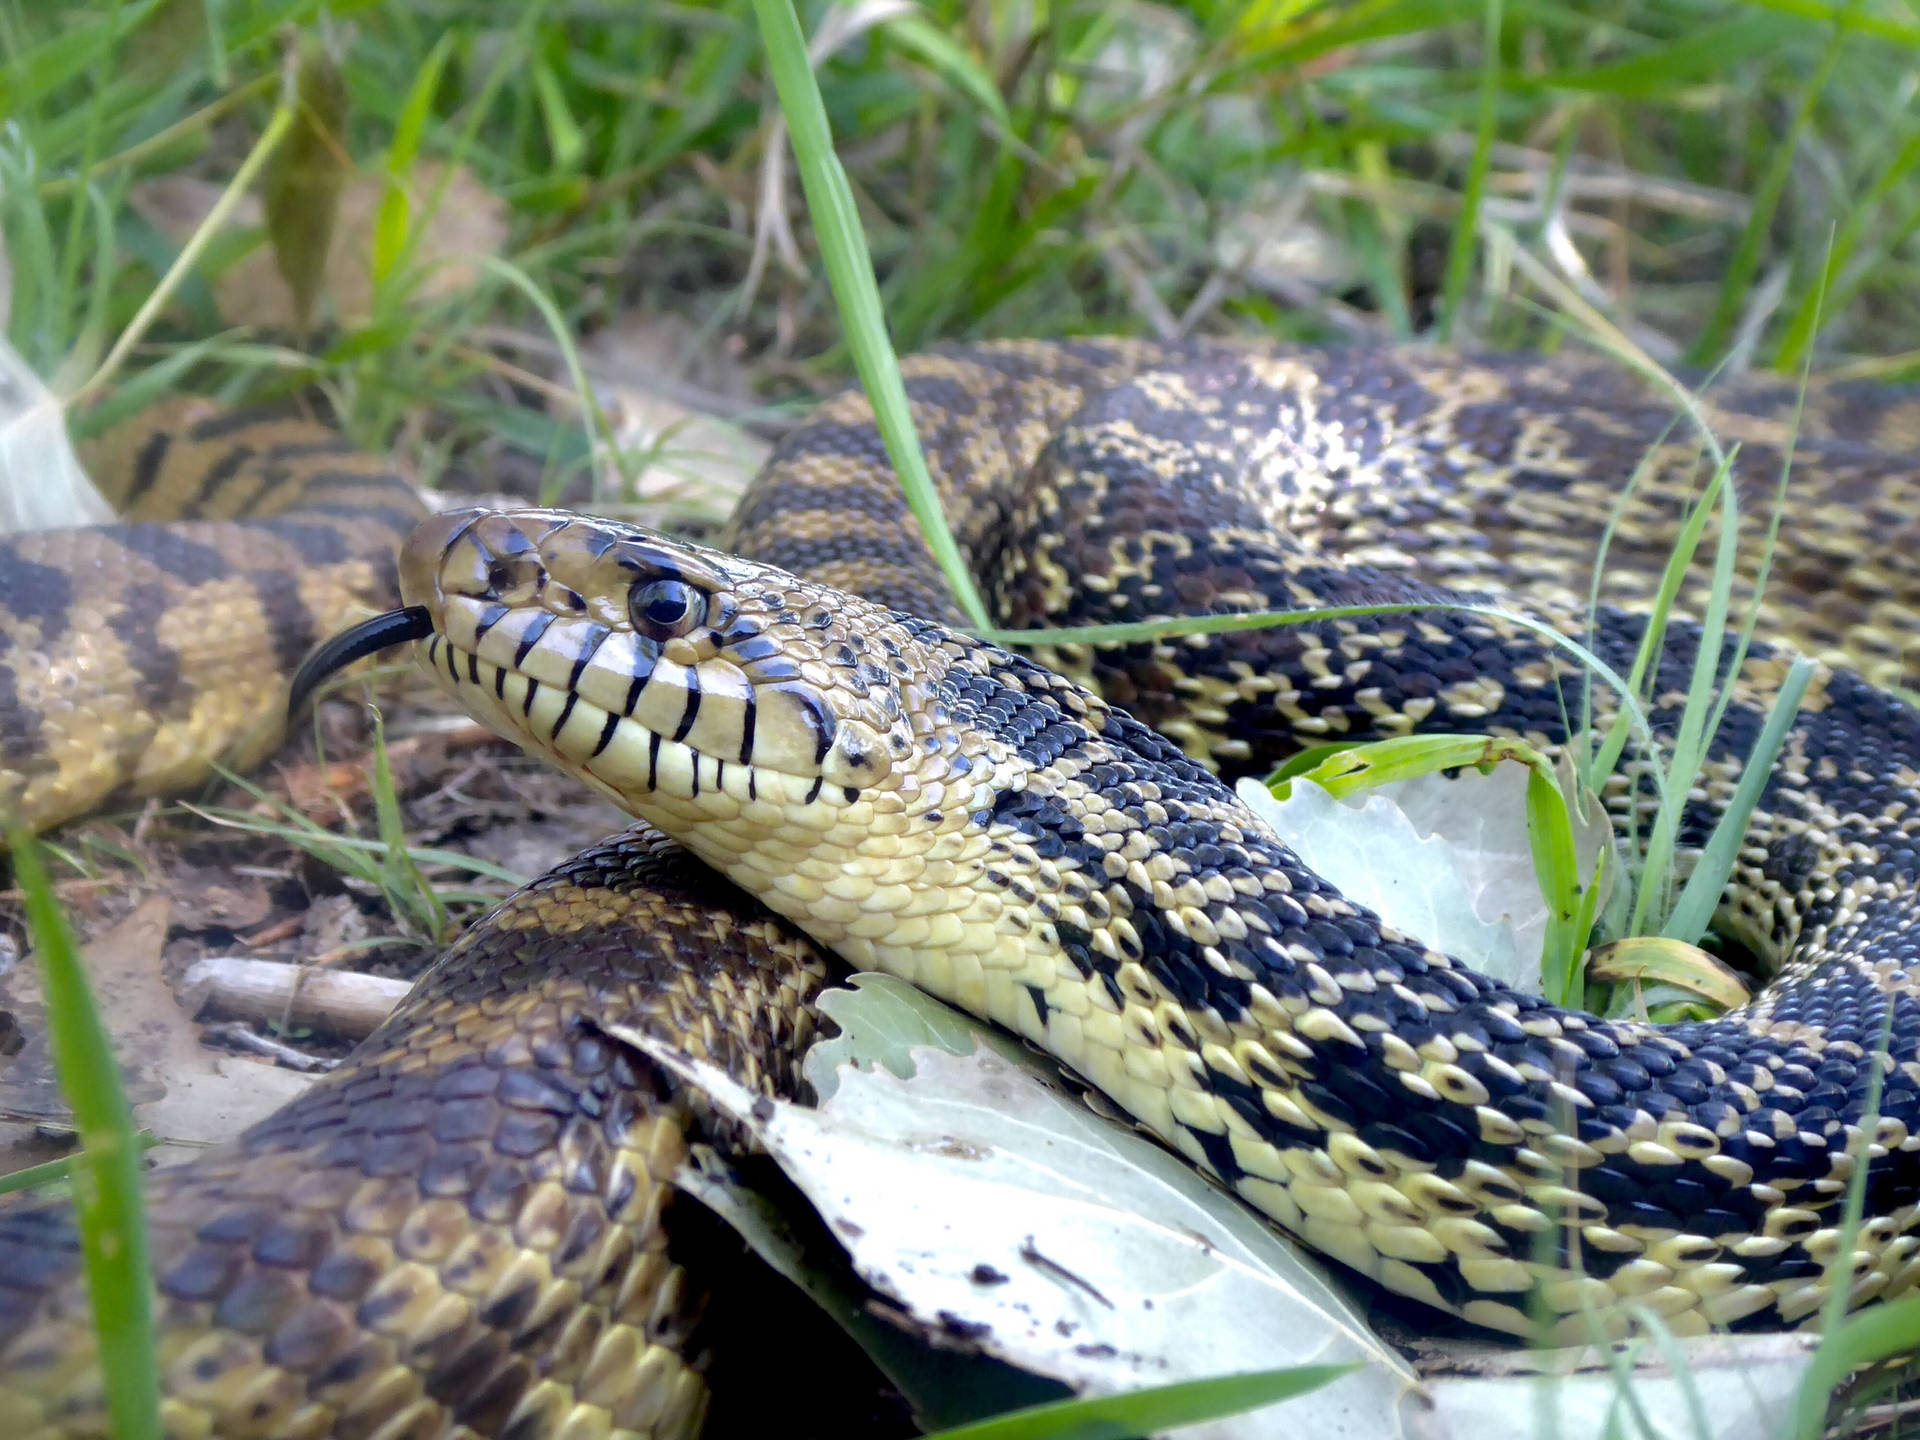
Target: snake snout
(662,672)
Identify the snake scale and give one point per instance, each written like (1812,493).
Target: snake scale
(461,1231)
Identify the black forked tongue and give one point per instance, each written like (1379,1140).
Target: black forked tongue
(392,628)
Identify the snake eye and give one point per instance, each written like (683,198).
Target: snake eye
(663,609)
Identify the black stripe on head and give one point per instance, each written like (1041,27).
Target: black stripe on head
(598,542)
(747,723)
(595,636)
(488,618)
(643,672)
(611,724)
(530,637)
(693,706)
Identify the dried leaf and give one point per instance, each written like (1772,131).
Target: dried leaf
(470,220)
(179,1089)
(301,190)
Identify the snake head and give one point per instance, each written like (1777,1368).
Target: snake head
(812,745)
(672,677)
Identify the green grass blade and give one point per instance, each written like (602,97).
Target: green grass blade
(1851,18)
(594,419)
(1697,52)
(1690,743)
(1134,631)
(1737,282)
(35,322)
(107,1198)
(915,34)
(1797,348)
(1146,1412)
(1876,1333)
(1466,225)
(150,310)
(1583,732)
(1556,867)
(1693,911)
(564,138)
(401,879)
(47,1172)
(1653,639)
(850,273)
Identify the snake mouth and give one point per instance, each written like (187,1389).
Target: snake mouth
(369,637)
(660,672)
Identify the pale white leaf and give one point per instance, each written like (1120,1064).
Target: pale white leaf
(988,1204)
(1443,859)
(42,486)
(882,1020)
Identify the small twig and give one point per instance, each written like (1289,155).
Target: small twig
(347,1002)
(234,1033)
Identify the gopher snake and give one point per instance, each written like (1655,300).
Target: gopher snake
(988,828)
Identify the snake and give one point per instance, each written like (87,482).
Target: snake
(464,1230)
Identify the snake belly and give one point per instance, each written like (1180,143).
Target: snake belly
(1063,869)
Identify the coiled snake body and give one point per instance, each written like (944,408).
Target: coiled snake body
(474,1243)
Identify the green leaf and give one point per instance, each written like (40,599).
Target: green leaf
(392,225)
(881,1019)
(1554,794)
(564,140)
